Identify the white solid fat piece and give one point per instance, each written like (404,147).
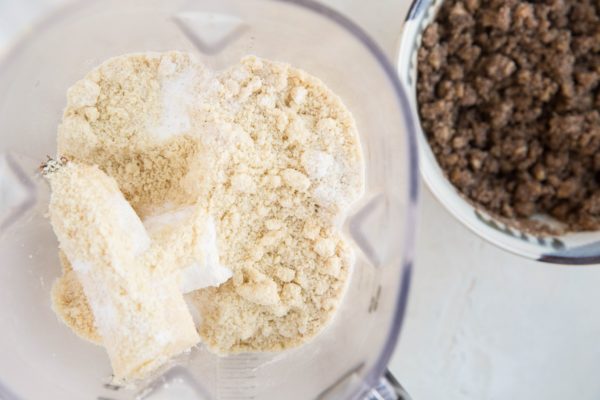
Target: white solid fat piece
(189,235)
(128,221)
(139,311)
(206,271)
(176,98)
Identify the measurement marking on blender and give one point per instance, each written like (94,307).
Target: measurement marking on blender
(240,375)
(375,300)
(330,391)
(112,387)
(237,377)
(235,368)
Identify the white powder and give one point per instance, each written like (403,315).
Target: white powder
(330,189)
(176,97)
(179,82)
(101,303)
(163,337)
(129,221)
(208,271)
(319,165)
(205,269)
(81,266)
(198,276)
(155,222)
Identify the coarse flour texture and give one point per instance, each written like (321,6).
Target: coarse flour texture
(130,116)
(265,150)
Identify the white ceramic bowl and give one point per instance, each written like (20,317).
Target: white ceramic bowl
(572,248)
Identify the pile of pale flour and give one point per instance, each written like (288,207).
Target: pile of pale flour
(268,155)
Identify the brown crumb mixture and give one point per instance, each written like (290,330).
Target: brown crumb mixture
(509,98)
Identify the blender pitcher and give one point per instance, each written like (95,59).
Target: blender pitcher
(40,358)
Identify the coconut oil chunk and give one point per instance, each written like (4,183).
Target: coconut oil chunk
(138,309)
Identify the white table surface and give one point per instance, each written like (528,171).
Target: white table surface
(482,324)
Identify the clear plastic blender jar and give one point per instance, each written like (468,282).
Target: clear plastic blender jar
(41,359)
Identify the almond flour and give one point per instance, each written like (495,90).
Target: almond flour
(130,116)
(265,150)
(276,206)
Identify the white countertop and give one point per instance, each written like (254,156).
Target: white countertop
(481,324)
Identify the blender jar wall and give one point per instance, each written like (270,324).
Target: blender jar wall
(351,353)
